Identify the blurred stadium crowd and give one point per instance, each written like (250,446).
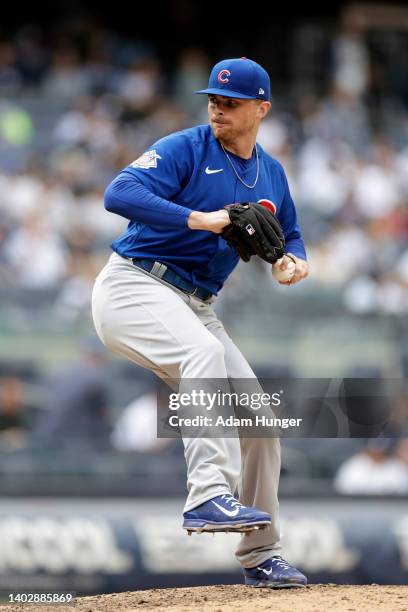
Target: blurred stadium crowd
(79,105)
(75,112)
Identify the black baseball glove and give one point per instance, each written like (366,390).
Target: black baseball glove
(254,230)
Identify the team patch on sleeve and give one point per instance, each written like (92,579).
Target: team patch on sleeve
(147,160)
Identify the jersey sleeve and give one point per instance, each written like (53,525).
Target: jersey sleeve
(165,168)
(143,191)
(288,219)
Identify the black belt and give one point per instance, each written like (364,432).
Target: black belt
(164,273)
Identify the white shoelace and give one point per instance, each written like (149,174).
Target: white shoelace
(232,501)
(282,563)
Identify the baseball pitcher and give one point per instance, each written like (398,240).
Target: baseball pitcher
(197,201)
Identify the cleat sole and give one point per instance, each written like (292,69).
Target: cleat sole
(234,528)
(275,585)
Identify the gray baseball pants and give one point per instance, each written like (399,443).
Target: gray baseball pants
(178,336)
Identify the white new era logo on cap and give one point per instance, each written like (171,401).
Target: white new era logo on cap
(261,91)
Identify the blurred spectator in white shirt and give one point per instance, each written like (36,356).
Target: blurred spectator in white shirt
(376,186)
(67,77)
(36,253)
(345,243)
(351,66)
(136,428)
(140,85)
(376,470)
(323,177)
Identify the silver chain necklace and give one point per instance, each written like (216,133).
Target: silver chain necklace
(236,173)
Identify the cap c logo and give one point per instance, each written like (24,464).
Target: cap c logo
(222,76)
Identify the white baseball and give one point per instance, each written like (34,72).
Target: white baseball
(283,275)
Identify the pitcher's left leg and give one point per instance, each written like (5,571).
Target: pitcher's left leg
(260,457)
(260,461)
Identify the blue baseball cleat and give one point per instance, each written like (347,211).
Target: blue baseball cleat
(275,573)
(224,513)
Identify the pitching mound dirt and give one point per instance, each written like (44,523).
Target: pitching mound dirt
(231,598)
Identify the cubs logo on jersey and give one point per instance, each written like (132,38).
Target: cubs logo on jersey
(147,160)
(268,204)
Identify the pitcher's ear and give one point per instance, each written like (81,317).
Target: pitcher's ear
(264,108)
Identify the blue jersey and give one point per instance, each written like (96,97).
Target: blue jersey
(188,171)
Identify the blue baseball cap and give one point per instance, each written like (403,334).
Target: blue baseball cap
(239,78)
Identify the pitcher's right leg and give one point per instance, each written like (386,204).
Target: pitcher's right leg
(149,323)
